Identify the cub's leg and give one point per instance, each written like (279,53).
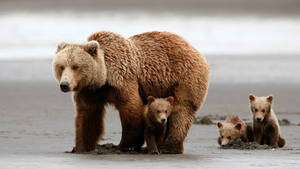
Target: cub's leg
(151,143)
(258,134)
(273,136)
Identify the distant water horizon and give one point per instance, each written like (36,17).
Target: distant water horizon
(35,35)
(238,49)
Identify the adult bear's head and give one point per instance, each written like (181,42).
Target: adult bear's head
(77,66)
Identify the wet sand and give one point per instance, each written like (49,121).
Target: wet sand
(37,120)
(37,126)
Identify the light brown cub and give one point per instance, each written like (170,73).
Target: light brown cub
(265,124)
(156,113)
(234,129)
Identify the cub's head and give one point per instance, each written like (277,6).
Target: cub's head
(77,66)
(229,132)
(159,109)
(260,107)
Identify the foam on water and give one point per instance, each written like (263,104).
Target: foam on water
(239,49)
(36,35)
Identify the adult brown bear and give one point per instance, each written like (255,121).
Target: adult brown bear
(111,69)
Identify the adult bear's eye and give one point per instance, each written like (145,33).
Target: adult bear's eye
(61,68)
(158,111)
(74,67)
(263,110)
(255,110)
(222,136)
(229,137)
(166,111)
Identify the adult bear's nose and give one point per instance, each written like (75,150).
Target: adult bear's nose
(258,119)
(163,120)
(64,86)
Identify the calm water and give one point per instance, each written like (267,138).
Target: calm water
(239,49)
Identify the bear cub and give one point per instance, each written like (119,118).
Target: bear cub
(234,129)
(265,123)
(156,113)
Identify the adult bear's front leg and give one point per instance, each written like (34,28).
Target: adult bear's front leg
(130,107)
(89,123)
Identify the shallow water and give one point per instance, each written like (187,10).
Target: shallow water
(238,49)
(35,35)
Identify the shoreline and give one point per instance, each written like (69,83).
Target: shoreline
(38,127)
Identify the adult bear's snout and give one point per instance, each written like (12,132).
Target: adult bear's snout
(64,86)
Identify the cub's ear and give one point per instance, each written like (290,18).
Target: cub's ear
(238,126)
(251,97)
(92,47)
(150,99)
(61,45)
(270,99)
(170,99)
(220,125)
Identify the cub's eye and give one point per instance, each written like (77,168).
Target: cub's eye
(222,136)
(229,137)
(74,67)
(158,111)
(255,110)
(61,67)
(263,110)
(166,111)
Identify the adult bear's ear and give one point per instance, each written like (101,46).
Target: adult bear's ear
(92,47)
(170,99)
(270,99)
(219,124)
(251,97)
(61,45)
(150,99)
(238,126)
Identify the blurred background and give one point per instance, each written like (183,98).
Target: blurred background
(244,41)
(251,46)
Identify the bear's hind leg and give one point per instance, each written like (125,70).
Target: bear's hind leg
(180,122)
(281,141)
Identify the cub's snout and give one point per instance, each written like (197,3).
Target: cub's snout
(163,120)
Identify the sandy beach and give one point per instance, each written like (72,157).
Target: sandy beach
(251,46)
(37,126)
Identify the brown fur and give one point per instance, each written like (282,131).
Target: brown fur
(156,110)
(267,129)
(124,72)
(234,129)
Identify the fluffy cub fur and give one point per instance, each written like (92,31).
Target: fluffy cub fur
(156,115)
(234,129)
(265,123)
